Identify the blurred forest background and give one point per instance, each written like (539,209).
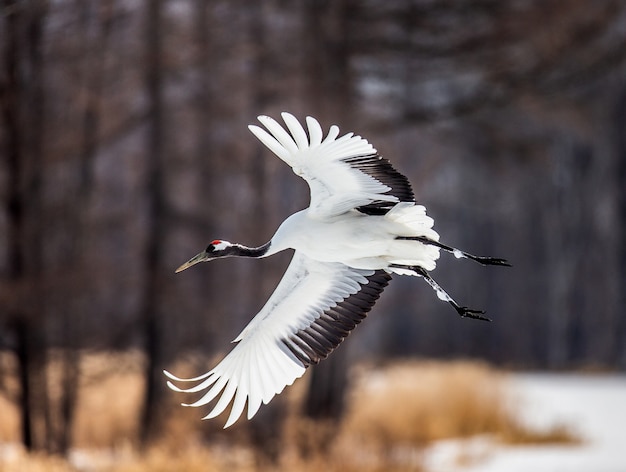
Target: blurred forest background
(125,151)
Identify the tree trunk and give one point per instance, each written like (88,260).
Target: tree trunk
(150,312)
(22,107)
(620,145)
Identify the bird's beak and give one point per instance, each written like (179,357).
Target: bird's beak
(203,256)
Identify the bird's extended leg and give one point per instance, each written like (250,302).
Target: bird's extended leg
(463,311)
(457,252)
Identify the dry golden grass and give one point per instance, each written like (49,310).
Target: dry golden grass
(9,418)
(415,403)
(395,411)
(167,460)
(10,421)
(110,397)
(19,461)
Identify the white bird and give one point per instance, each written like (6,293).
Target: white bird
(362,225)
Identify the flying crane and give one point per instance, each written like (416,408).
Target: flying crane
(362,226)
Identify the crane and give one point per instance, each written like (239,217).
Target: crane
(362,226)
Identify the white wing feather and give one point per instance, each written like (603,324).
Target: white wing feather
(261,365)
(336,187)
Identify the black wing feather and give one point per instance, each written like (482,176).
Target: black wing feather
(381,169)
(313,343)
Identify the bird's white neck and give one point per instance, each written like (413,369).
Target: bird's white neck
(244,251)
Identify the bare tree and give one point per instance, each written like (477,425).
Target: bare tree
(23,108)
(156,227)
(619,122)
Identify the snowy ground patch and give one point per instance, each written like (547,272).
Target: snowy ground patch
(593,406)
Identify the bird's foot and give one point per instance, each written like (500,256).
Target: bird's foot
(466,312)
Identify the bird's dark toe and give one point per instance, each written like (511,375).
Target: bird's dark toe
(466,312)
(493,261)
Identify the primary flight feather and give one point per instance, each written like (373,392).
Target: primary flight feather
(362,226)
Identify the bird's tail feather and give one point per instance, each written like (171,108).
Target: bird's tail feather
(412,220)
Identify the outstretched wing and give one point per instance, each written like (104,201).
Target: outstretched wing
(343,173)
(314,307)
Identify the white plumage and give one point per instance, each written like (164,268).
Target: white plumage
(361,226)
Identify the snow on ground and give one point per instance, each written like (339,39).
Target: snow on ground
(592,406)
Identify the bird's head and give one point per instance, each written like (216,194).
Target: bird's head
(217,248)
